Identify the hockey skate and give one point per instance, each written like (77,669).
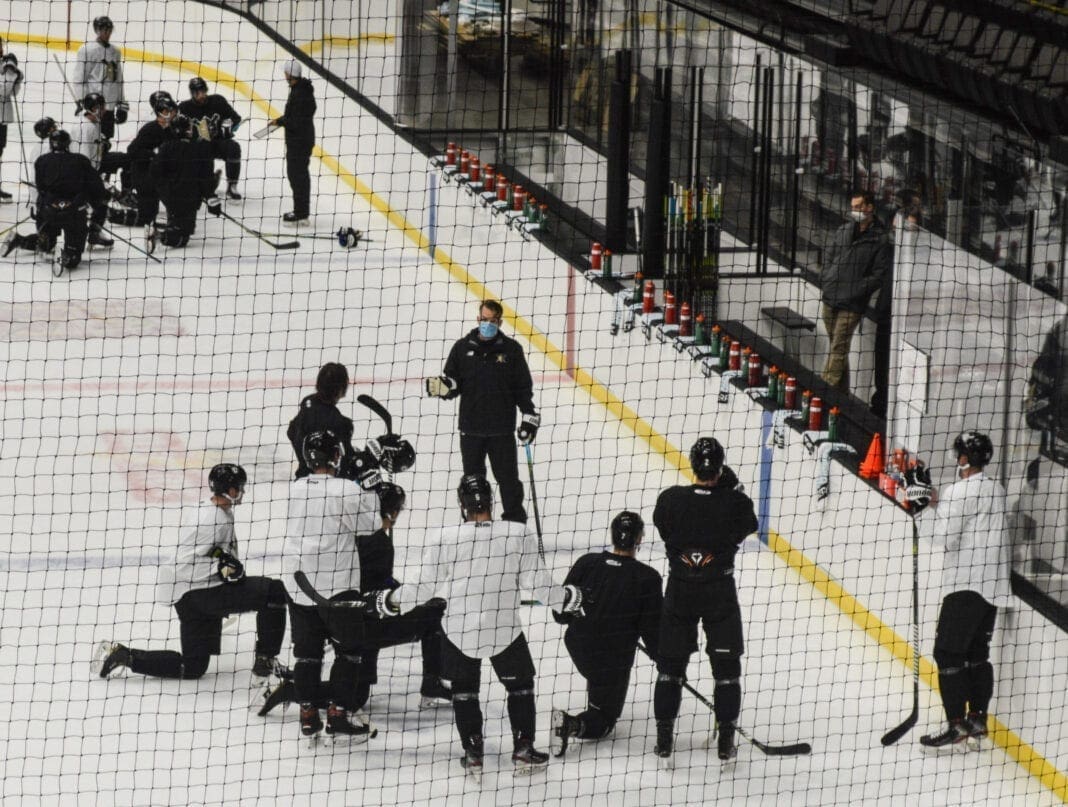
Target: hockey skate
(665,743)
(975,726)
(5,197)
(295,220)
(433,694)
(727,745)
(564,727)
(527,759)
(10,243)
(952,739)
(267,665)
(109,657)
(471,761)
(232,192)
(97,238)
(311,724)
(339,729)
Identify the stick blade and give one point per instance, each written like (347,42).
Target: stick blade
(795,750)
(286,245)
(896,734)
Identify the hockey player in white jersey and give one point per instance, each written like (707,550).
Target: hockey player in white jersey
(479,568)
(206,583)
(326,514)
(98,68)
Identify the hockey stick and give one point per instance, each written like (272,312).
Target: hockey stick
(259,235)
(130,243)
(896,734)
(22,143)
(309,590)
(792,750)
(11,227)
(378,409)
(62,71)
(534,502)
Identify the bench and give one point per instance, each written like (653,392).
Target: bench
(793,323)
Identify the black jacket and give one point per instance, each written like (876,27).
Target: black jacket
(622,603)
(183,171)
(67,179)
(492,381)
(855,265)
(317,415)
(297,119)
(214,106)
(701,528)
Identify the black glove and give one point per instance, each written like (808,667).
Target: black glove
(391,499)
(377,604)
(918,488)
(363,468)
(214,204)
(573,598)
(528,429)
(122,112)
(392,453)
(229,569)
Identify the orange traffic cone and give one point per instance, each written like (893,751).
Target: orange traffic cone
(873,464)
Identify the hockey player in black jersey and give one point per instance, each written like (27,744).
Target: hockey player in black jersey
(142,152)
(702,526)
(622,604)
(67,187)
(319,412)
(216,122)
(182,171)
(206,583)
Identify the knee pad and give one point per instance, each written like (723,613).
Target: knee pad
(276,595)
(194,666)
(726,669)
(464,697)
(520,688)
(672,667)
(949,663)
(665,678)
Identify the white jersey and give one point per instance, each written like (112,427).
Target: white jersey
(969,521)
(98,68)
(326,514)
(479,568)
(208,526)
(86,139)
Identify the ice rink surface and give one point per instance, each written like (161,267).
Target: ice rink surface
(126,380)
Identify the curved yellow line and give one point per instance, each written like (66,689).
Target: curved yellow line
(1024,754)
(316,45)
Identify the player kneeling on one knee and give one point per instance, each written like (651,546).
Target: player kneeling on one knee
(622,605)
(479,567)
(702,526)
(207,583)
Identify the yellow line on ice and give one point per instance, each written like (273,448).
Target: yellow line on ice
(1023,753)
(317,45)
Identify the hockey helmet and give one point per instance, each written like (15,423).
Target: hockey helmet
(102,22)
(975,447)
(226,476)
(59,140)
(627,530)
(93,101)
(44,127)
(322,449)
(162,100)
(706,458)
(475,495)
(196,85)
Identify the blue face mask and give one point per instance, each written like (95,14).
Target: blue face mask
(487,330)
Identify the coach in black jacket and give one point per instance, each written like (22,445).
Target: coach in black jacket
(299,124)
(489,371)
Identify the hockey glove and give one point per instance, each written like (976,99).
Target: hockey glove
(226,128)
(230,569)
(918,488)
(528,429)
(122,112)
(378,604)
(392,453)
(572,601)
(440,386)
(364,469)
(391,499)
(214,205)
(729,479)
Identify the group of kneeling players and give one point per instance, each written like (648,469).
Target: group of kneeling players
(338,588)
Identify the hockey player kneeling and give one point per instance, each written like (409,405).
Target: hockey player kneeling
(207,583)
(622,605)
(479,568)
(702,526)
(184,178)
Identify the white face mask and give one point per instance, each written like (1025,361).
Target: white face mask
(857,215)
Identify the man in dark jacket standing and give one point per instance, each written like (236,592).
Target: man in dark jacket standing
(859,257)
(489,371)
(299,124)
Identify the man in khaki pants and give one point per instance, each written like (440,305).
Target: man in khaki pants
(858,257)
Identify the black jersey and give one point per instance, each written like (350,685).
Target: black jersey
(182,171)
(215,108)
(701,528)
(142,148)
(622,605)
(493,379)
(317,415)
(64,179)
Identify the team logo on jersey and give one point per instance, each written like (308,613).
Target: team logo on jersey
(502,359)
(697,560)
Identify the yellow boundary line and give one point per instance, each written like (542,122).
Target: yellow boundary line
(316,45)
(1023,753)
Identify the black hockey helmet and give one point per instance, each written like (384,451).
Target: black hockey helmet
(44,127)
(102,22)
(627,530)
(475,495)
(322,449)
(400,459)
(225,476)
(391,499)
(975,447)
(706,458)
(197,84)
(93,101)
(162,100)
(59,140)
